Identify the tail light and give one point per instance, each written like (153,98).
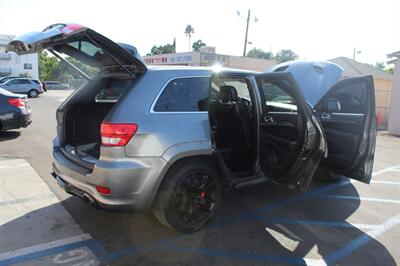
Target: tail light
(16,102)
(117,135)
(103,190)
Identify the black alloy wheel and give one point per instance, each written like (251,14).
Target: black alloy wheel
(189,196)
(195,198)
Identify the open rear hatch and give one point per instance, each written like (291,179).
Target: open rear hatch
(81,43)
(79,118)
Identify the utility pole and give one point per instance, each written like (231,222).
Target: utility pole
(247,31)
(354,53)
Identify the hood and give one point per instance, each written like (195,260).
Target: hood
(314,78)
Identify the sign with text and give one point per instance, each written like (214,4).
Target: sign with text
(211,59)
(169,59)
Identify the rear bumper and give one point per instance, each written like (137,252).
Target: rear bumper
(16,120)
(25,120)
(133,182)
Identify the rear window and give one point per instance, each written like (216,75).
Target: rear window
(86,48)
(184,95)
(113,91)
(35,81)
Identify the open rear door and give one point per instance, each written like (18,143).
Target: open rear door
(291,141)
(347,114)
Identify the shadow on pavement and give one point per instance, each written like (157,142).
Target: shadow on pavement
(8,135)
(241,234)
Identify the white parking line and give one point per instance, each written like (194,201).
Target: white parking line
(385,182)
(345,197)
(385,226)
(16,165)
(388,169)
(28,205)
(40,247)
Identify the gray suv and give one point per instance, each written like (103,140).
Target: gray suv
(28,86)
(171,139)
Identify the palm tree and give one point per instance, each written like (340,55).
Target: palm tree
(189,31)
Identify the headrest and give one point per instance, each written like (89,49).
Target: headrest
(227,94)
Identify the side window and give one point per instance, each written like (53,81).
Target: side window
(277,99)
(24,81)
(184,95)
(237,84)
(348,99)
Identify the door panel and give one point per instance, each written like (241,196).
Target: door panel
(282,125)
(290,139)
(347,114)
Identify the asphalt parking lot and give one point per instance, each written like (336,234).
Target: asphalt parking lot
(345,223)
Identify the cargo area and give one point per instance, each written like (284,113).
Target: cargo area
(85,113)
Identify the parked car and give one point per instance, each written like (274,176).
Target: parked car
(28,86)
(14,111)
(36,81)
(171,138)
(55,85)
(4,79)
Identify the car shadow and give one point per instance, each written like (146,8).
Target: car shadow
(244,231)
(9,135)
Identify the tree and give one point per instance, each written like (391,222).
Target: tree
(25,75)
(259,53)
(51,68)
(197,44)
(379,65)
(163,49)
(189,30)
(389,70)
(47,66)
(285,55)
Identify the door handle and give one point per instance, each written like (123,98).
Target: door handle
(325,116)
(268,119)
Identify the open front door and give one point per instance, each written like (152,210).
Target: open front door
(347,114)
(291,142)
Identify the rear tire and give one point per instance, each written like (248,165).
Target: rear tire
(328,176)
(189,196)
(33,93)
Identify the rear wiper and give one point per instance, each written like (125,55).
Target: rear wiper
(80,72)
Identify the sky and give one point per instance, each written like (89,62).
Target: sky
(314,29)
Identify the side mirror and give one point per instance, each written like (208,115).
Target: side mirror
(333,106)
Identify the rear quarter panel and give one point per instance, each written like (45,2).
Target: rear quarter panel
(169,135)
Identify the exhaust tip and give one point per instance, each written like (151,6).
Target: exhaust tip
(89,200)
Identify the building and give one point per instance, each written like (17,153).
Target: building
(394,118)
(16,65)
(382,82)
(207,57)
